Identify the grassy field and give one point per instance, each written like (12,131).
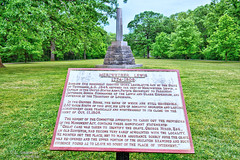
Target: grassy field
(30,95)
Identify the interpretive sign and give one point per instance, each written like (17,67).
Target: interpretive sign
(122,110)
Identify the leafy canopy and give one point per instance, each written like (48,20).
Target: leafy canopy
(160,48)
(144,29)
(225,40)
(186,39)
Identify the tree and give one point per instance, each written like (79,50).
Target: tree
(110,38)
(160,48)
(234,10)
(217,9)
(26,27)
(22,28)
(186,39)
(1,64)
(144,29)
(95,45)
(69,28)
(225,40)
(2,38)
(137,49)
(199,15)
(174,18)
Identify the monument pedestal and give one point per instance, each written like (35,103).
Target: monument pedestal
(119,55)
(119,66)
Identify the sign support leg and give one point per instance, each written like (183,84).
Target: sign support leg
(122,156)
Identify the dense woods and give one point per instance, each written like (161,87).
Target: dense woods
(62,30)
(54,30)
(208,32)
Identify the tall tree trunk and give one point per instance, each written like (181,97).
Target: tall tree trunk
(26,57)
(53,48)
(31,57)
(84,53)
(1,64)
(226,57)
(148,52)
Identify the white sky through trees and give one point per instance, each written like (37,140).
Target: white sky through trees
(165,7)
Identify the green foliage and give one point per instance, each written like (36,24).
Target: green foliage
(234,10)
(198,15)
(144,29)
(22,28)
(111,37)
(225,40)
(217,9)
(30,95)
(97,45)
(73,32)
(38,30)
(33,28)
(161,47)
(186,39)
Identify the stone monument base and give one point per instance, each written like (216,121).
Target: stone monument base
(119,55)
(119,66)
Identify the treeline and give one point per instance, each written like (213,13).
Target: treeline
(45,30)
(208,32)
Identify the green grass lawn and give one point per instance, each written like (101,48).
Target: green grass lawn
(30,95)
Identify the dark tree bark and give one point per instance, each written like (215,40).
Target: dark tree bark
(26,57)
(53,48)
(84,53)
(31,57)
(226,57)
(148,52)
(1,64)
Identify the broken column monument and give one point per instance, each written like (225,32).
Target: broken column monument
(119,54)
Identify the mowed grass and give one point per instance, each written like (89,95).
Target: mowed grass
(30,95)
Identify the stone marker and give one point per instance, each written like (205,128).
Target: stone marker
(122,110)
(119,54)
(119,27)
